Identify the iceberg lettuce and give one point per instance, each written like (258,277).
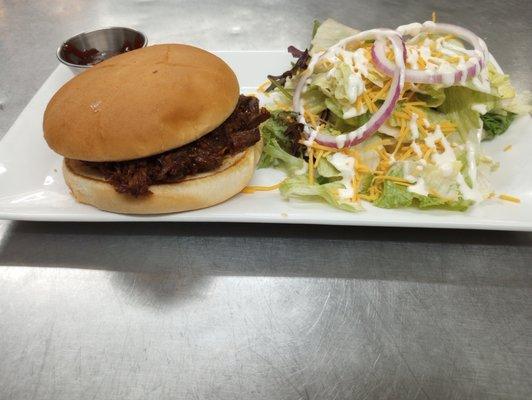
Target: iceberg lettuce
(398,196)
(328,33)
(299,187)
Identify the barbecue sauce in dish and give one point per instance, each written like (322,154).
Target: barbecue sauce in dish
(75,55)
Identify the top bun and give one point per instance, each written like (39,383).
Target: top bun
(140,103)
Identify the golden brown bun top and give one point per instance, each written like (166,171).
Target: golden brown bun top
(140,103)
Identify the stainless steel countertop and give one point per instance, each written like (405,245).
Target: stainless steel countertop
(229,311)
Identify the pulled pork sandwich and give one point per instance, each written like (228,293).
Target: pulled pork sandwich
(156,130)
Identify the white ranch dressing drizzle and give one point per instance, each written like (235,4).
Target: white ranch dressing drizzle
(412,29)
(442,49)
(355,86)
(414,132)
(346,166)
(440,65)
(312,136)
(424,51)
(445,160)
(471,152)
(340,141)
(301,110)
(360,61)
(459,49)
(353,112)
(359,65)
(472,163)
(298,104)
(420,187)
(412,57)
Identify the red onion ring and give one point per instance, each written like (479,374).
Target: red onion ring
(472,67)
(383,113)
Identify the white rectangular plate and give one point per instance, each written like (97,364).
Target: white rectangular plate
(32,187)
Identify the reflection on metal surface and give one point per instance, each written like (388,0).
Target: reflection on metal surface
(230,311)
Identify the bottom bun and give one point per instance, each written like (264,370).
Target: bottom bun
(196,192)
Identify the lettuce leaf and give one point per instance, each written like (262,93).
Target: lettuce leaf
(328,33)
(275,152)
(394,196)
(471,110)
(298,187)
(275,126)
(315,100)
(274,156)
(398,196)
(335,83)
(365,183)
(496,124)
(433,95)
(327,170)
(500,84)
(520,104)
(427,202)
(315,26)
(458,108)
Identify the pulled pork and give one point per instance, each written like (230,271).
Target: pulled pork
(238,132)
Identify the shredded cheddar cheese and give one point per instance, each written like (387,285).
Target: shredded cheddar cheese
(253,189)
(322,147)
(354,183)
(283,106)
(262,88)
(318,157)
(406,153)
(402,136)
(395,179)
(313,119)
(371,106)
(510,198)
(358,103)
(401,115)
(371,197)
(412,107)
(363,168)
(381,94)
(428,154)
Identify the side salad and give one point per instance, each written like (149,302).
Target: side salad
(391,117)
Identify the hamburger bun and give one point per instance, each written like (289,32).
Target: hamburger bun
(140,103)
(197,191)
